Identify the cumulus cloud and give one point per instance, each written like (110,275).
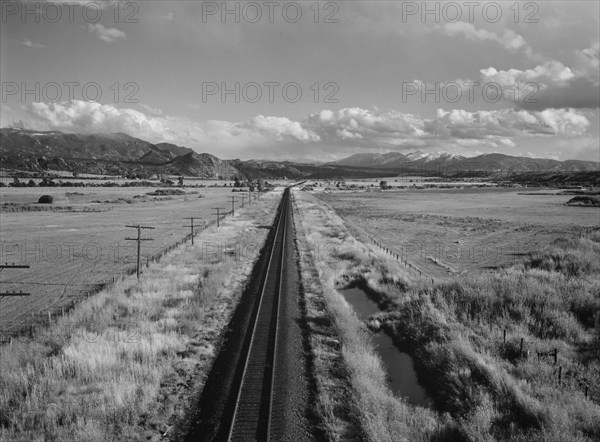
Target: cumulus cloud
(507,122)
(345,128)
(360,125)
(279,128)
(550,85)
(107,35)
(90,117)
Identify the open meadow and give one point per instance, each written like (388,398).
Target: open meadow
(450,232)
(78,242)
(504,354)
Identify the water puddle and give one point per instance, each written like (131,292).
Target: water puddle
(400,367)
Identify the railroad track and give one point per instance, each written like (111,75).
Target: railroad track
(246,395)
(253,410)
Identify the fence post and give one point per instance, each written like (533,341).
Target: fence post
(559,375)
(521,348)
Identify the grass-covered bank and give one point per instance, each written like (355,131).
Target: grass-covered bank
(484,388)
(353,399)
(486,344)
(124,363)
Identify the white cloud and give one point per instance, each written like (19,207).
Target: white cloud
(550,85)
(453,130)
(108,35)
(588,63)
(31,44)
(508,39)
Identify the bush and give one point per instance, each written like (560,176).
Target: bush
(591,201)
(46,199)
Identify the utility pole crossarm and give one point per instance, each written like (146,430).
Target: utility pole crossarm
(14,266)
(192,227)
(218,209)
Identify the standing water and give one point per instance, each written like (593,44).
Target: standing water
(400,367)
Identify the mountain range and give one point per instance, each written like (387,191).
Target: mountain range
(449,163)
(124,155)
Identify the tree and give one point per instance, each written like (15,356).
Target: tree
(383,185)
(31,183)
(180,181)
(237,182)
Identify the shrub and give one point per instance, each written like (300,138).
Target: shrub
(46,199)
(584,201)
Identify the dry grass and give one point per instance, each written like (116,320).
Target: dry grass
(381,416)
(446,233)
(70,253)
(121,365)
(483,388)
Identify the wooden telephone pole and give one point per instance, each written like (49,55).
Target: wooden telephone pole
(191,226)
(139,240)
(233,201)
(13,266)
(218,209)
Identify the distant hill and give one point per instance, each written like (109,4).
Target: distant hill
(449,164)
(201,165)
(113,154)
(124,155)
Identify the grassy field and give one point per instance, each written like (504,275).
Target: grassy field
(451,232)
(353,400)
(127,363)
(71,251)
(484,344)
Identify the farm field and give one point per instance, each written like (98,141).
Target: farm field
(450,232)
(71,251)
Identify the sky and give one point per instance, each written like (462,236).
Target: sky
(310,81)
